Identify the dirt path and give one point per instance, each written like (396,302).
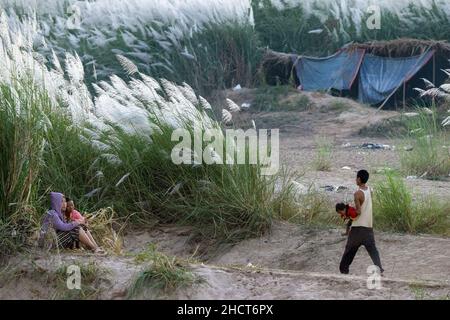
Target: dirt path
(294,262)
(225,283)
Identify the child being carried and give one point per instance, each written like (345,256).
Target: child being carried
(346,212)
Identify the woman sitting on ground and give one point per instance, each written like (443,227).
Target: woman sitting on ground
(73,215)
(67,233)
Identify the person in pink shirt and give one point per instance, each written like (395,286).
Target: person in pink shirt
(73,215)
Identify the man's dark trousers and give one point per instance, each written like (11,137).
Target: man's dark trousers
(359,236)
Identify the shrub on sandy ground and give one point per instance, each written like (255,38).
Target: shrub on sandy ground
(423,293)
(162,274)
(430,154)
(396,209)
(323,159)
(388,128)
(280,98)
(107,229)
(91,278)
(304,205)
(314,207)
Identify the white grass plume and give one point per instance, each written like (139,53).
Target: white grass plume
(93,192)
(233,106)
(121,180)
(428,84)
(129,67)
(204,103)
(226,116)
(445,87)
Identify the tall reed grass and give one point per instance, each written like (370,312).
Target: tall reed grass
(321,27)
(209,45)
(23,125)
(215,44)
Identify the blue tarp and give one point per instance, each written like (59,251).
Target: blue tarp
(379,76)
(337,71)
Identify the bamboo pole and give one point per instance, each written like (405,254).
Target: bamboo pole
(404,96)
(434,69)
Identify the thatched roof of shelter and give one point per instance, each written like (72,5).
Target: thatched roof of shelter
(271,57)
(404,47)
(276,66)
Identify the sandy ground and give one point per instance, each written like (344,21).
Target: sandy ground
(291,262)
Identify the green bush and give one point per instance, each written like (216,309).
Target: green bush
(395,209)
(430,154)
(163,274)
(324,151)
(280,98)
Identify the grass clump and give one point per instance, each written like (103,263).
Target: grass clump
(280,98)
(312,207)
(396,209)
(91,278)
(420,293)
(430,154)
(391,127)
(163,274)
(223,202)
(107,228)
(324,149)
(336,106)
(8,273)
(23,126)
(302,204)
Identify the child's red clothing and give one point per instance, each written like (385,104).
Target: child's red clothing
(75,215)
(351,212)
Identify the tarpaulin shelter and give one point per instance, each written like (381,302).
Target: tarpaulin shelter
(380,77)
(338,71)
(375,73)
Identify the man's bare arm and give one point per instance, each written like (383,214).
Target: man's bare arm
(359,199)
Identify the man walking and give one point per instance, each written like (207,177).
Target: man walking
(361,232)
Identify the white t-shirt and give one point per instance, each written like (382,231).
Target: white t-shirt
(366,216)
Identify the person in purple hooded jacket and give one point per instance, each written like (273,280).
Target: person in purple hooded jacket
(67,233)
